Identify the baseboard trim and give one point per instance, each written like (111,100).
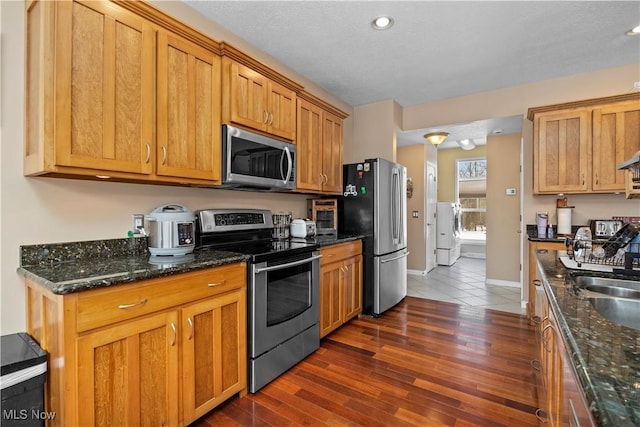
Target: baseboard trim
(417,272)
(477,255)
(506,283)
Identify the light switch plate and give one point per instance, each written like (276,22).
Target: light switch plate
(510,191)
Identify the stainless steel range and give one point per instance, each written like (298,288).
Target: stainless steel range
(283,288)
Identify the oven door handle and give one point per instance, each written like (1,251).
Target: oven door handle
(290,264)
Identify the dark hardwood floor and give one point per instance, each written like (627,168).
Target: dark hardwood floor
(423,363)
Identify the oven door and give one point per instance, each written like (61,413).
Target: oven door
(283,300)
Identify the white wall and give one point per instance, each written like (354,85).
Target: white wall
(49,210)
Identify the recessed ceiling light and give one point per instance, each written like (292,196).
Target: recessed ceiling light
(382,23)
(497,131)
(634,31)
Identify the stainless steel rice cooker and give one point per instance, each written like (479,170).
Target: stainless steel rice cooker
(171,229)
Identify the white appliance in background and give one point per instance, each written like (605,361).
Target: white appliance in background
(448,228)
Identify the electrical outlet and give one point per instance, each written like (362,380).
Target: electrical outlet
(137,223)
(636,85)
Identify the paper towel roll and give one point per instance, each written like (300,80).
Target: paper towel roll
(564,220)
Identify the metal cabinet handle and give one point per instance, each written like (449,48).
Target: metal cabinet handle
(175,334)
(535,364)
(125,306)
(164,154)
(540,418)
(190,322)
(270,119)
(582,179)
(537,320)
(211,285)
(266,117)
(148,153)
(537,282)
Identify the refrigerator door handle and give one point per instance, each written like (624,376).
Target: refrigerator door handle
(406,254)
(395,206)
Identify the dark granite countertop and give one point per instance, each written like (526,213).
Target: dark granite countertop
(606,355)
(65,268)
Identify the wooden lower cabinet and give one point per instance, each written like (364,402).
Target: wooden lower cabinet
(176,352)
(127,374)
(560,398)
(340,285)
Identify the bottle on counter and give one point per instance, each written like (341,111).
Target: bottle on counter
(549,232)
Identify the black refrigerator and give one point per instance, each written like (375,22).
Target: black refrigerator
(374,205)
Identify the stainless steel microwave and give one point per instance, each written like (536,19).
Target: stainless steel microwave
(253,161)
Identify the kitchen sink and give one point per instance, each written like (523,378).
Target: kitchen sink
(625,312)
(585,282)
(615,299)
(614,291)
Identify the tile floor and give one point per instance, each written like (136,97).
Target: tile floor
(464,283)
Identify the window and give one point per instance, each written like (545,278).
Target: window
(471,189)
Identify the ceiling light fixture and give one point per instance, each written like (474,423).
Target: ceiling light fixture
(382,23)
(436,138)
(634,31)
(467,144)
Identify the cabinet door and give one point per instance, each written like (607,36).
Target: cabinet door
(282,111)
(331,298)
(104,68)
(247,102)
(332,154)
(561,152)
(128,374)
(616,138)
(309,146)
(189,129)
(352,287)
(214,352)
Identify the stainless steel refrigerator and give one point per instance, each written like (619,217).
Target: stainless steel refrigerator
(374,205)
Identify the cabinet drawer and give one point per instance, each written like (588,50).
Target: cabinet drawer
(109,305)
(340,251)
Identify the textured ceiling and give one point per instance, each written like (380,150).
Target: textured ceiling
(435,49)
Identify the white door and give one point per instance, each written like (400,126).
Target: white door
(431,200)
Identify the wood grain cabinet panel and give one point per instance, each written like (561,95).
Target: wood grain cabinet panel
(188,86)
(560,397)
(127,374)
(578,145)
(113,92)
(214,348)
(561,154)
(616,138)
(166,362)
(104,65)
(340,285)
(319,144)
(250,99)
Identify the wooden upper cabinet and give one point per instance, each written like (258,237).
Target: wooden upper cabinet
(104,66)
(309,146)
(578,145)
(319,144)
(332,154)
(188,110)
(251,99)
(561,143)
(616,138)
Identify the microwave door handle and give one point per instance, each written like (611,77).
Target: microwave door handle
(289,165)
